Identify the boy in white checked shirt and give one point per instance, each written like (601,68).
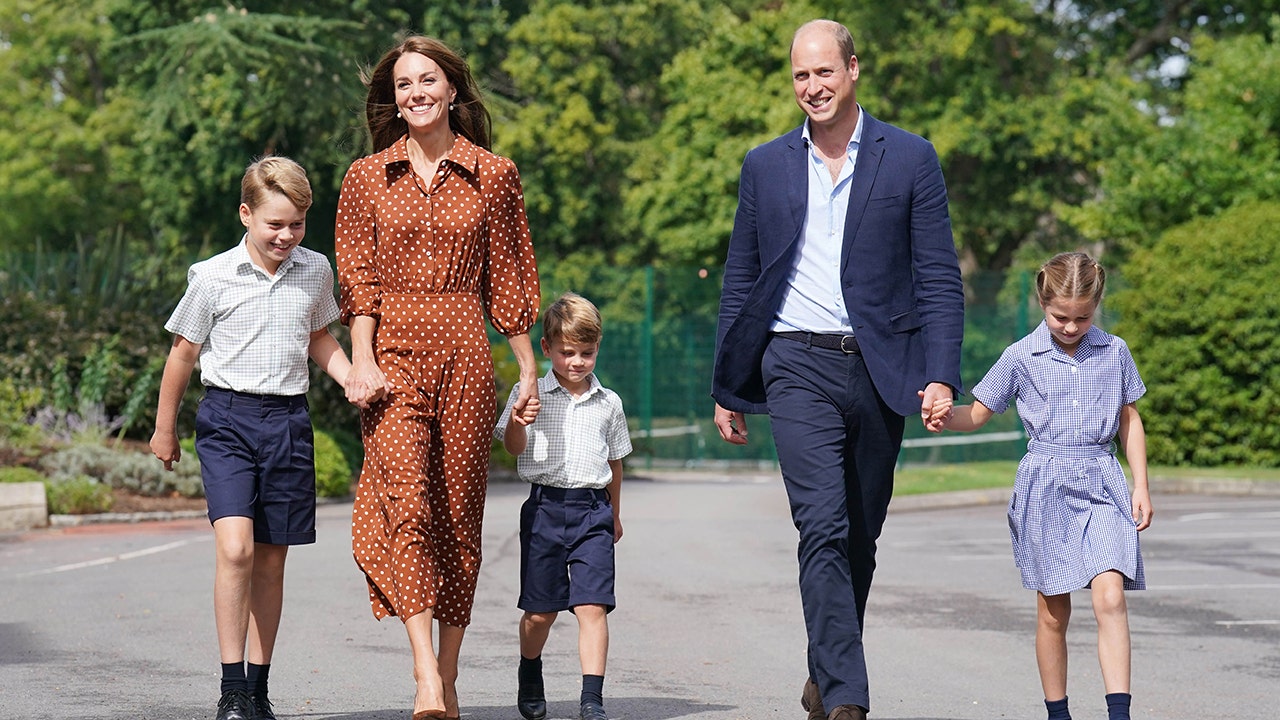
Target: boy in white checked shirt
(571,455)
(251,316)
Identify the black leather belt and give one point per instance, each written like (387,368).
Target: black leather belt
(846,344)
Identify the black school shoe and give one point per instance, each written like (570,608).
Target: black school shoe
(592,711)
(531,700)
(236,705)
(263,706)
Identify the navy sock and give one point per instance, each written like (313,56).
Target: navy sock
(530,672)
(233,676)
(592,689)
(1118,706)
(1057,709)
(256,678)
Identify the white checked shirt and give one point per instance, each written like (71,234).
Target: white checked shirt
(255,329)
(573,439)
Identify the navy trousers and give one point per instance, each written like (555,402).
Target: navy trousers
(837,446)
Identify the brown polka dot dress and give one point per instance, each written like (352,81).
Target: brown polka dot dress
(429,259)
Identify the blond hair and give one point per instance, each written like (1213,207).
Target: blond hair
(572,318)
(1071,276)
(274,173)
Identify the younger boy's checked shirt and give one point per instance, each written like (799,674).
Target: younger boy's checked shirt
(573,439)
(255,329)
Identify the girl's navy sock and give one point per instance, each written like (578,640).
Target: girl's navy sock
(1057,709)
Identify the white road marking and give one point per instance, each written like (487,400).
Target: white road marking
(116,558)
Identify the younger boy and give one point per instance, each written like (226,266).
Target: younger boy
(251,316)
(571,454)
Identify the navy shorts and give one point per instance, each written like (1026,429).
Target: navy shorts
(257,460)
(566,549)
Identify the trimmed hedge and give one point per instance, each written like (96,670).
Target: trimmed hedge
(1202,317)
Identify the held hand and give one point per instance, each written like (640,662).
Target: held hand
(936,414)
(1142,510)
(525,410)
(164,445)
(732,426)
(529,414)
(366,384)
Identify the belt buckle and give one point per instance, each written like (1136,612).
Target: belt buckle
(845,350)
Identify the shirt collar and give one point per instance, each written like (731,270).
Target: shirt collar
(240,254)
(1042,340)
(464,154)
(854,141)
(551,383)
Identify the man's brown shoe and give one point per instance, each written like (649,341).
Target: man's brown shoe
(811,700)
(847,712)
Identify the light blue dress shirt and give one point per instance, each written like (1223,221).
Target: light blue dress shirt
(813,300)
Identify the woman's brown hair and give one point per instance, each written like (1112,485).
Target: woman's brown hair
(468,115)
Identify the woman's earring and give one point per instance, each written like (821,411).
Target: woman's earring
(398,114)
(451,106)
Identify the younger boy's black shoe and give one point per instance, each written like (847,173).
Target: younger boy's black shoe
(236,705)
(263,707)
(592,711)
(531,700)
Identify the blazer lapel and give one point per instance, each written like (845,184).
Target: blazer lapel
(797,174)
(870,153)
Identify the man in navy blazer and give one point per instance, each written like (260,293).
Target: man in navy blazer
(842,312)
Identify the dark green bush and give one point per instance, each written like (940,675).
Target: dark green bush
(1202,317)
(333,472)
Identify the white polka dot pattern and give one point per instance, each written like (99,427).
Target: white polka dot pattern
(430,262)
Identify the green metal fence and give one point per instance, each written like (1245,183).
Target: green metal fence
(659,342)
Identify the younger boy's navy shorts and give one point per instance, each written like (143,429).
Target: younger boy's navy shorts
(566,549)
(257,459)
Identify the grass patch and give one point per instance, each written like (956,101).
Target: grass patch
(917,479)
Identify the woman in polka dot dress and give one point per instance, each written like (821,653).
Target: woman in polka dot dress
(431,238)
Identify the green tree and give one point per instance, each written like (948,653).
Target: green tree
(65,169)
(1203,321)
(1219,147)
(585,75)
(721,96)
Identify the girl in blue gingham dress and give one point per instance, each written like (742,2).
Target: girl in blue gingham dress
(1072,519)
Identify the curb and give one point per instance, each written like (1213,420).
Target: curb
(902,503)
(65,521)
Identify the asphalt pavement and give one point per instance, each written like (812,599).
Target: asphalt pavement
(112,621)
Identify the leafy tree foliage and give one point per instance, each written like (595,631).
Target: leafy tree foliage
(64,164)
(1218,148)
(1203,321)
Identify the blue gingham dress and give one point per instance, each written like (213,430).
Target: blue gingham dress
(1071,514)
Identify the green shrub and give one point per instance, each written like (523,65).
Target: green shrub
(333,472)
(125,469)
(19,474)
(1202,318)
(77,496)
(16,409)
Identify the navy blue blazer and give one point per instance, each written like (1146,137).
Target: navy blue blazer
(898,267)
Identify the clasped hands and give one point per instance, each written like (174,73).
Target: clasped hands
(366,384)
(936,407)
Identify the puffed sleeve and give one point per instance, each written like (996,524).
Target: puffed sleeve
(355,246)
(510,288)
